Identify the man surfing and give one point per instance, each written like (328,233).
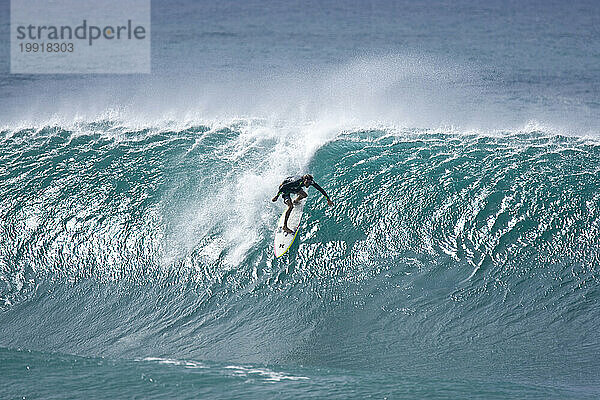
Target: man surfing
(294,184)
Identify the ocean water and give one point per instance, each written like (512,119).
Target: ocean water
(460,144)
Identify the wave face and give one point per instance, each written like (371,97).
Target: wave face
(449,259)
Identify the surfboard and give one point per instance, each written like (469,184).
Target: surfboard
(284,240)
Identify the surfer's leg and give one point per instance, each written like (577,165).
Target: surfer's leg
(288,201)
(301,195)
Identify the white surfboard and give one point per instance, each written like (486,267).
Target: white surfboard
(284,240)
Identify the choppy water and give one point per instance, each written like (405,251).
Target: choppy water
(461,259)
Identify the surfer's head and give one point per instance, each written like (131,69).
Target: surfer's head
(308,179)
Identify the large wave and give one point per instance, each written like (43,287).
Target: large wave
(444,247)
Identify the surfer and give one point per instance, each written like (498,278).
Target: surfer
(294,184)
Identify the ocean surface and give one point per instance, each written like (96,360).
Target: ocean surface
(459,140)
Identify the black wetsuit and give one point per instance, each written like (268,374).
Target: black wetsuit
(294,184)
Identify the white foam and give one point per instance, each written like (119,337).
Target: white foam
(264,372)
(169,361)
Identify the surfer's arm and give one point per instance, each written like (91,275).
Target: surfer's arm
(274,199)
(320,189)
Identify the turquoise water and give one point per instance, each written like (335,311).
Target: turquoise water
(451,264)
(459,142)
